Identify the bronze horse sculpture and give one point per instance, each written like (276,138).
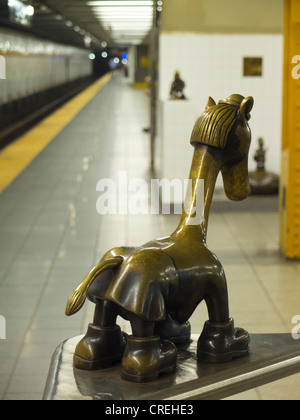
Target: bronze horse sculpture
(158,286)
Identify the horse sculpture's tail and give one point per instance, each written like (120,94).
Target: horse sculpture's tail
(78,296)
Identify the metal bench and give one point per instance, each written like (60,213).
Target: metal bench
(272,357)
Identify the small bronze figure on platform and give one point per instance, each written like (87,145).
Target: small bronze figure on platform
(262,182)
(260,155)
(176,91)
(158,286)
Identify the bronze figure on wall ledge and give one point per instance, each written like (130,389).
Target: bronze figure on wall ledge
(262,182)
(158,286)
(176,91)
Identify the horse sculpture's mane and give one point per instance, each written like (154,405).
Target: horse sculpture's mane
(214,125)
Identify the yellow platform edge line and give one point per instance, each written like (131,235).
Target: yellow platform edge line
(15,157)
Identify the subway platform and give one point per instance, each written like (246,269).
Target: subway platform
(51,235)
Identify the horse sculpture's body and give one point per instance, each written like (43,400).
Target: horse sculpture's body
(158,286)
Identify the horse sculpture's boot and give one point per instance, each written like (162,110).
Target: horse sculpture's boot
(100,348)
(146,358)
(221,342)
(173,331)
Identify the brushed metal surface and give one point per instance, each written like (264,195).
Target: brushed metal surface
(272,357)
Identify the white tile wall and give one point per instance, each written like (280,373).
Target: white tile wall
(212,65)
(176,119)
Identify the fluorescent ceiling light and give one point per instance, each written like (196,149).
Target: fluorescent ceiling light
(121,9)
(123,41)
(29,10)
(136,32)
(126,35)
(129,25)
(120,3)
(130,19)
(123,13)
(124,17)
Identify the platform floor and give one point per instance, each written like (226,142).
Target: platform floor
(51,235)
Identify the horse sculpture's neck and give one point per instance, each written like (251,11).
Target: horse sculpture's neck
(204,168)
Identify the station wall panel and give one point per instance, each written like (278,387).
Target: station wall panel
(34,65)
(212,65)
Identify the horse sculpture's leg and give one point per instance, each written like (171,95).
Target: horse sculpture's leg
(173,331)
(145,356)
(217,299)
(220,342)
(105,313)
(104,343)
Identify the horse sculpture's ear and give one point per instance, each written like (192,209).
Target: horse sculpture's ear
(210,103)
(245,108)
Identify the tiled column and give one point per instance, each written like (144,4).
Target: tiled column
(290,172)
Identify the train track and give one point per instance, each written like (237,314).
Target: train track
(18,127)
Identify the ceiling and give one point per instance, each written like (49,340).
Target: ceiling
(94,24)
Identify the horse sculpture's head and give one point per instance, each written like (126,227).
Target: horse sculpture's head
(224,131)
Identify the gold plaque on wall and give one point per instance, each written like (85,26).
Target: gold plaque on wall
(144,62)
(253,66)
